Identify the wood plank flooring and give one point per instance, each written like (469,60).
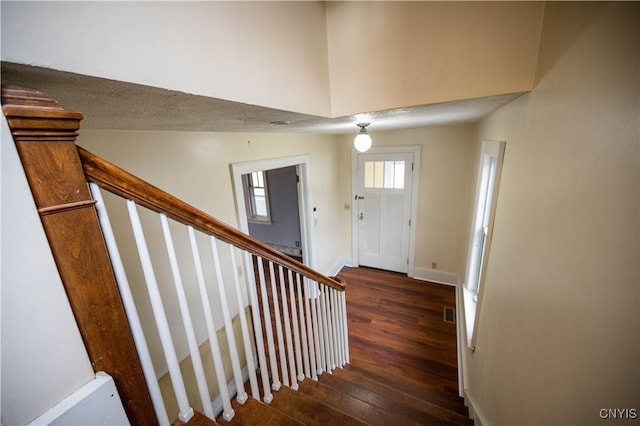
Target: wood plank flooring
(402,369)
(396,324)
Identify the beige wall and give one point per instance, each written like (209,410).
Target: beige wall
(394,54)
(328,59)
(195,168)
(444,181)
(559,333)
(264,53)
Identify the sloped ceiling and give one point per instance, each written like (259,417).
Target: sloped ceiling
(109,104)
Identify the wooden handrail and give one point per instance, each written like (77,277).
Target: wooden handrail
(118,181)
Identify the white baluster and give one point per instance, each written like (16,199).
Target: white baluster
(231,339)
(303,328)
(296,332)
(345,336)
(330,327)
(253,381)
(316,313)
(337,314)
(192,342)
(343,304)
(337,326)
(326,315)
(257,326)
(185,411)
(275,380)
(334,327)
(287,330)
(278,321)
(214,345)
(130,308)
(311,334)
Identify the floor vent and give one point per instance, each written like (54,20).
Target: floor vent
(449,315)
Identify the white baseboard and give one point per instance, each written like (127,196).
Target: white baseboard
(338,265)
(436,276)
(232,389)
(97,402)
(474,410)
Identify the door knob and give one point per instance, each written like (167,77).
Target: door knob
(361,217)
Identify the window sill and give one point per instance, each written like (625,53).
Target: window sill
(469,305)
(259,221)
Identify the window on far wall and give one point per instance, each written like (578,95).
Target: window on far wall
(257,197)
(480,242)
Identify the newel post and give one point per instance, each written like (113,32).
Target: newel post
(45,134)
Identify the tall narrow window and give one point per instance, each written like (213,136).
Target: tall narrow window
(257,197)
(481,233)
(484,212)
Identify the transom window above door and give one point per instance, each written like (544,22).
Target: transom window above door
(384,174)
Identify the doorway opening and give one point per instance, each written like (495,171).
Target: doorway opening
(273,204)
(273,214)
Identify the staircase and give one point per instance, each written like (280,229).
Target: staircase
(293,319)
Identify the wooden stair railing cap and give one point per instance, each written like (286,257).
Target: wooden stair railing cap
(29,112)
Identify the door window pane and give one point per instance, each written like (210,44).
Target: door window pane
(398,181)
(384,174)
(368,174)
(378,176)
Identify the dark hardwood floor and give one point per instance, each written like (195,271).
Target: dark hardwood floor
(396,324)
(402,368)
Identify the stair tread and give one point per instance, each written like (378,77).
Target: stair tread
(364,411)
(308,410)
(254,412)
(198,419)
(391,400)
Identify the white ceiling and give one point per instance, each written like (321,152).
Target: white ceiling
(115,105)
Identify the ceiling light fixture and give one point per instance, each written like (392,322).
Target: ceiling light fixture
(362,142)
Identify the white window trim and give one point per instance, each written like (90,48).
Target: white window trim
(252,217)
(472,296)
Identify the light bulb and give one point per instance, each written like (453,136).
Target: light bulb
(362,142)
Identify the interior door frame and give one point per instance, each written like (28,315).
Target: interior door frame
(305,209)
(416,150)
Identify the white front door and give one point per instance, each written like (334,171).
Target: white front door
(383,203)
